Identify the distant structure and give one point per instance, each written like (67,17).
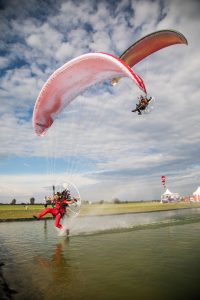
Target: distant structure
(196,195)
(168,196)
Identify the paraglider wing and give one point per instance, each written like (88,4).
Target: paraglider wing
(67,82)
(150,44)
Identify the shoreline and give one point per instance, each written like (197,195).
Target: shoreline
(97,214)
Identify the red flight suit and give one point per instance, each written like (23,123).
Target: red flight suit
(57,212)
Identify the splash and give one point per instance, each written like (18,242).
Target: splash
(113,223)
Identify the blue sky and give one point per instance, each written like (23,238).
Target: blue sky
(97,143)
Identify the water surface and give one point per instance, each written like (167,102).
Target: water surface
(132,256)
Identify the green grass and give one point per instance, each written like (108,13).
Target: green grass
(9,212)
(133,207)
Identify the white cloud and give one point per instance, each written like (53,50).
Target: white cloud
(23,187)
(145,14)
(45,38)
(4,62)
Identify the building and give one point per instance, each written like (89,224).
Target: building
(168,196)
(196,195)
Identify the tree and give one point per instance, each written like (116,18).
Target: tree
(13,202)
(32,200)
(116,201)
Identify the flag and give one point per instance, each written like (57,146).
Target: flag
(163,178)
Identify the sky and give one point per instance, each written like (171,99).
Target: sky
(97,145)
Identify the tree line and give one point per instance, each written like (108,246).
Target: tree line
(14,201)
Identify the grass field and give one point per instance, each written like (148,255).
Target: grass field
(21,212)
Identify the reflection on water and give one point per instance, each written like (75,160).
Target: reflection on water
(56,264)
(155,262)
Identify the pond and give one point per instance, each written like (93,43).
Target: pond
(129,256)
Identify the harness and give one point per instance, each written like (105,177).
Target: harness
(62,206)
